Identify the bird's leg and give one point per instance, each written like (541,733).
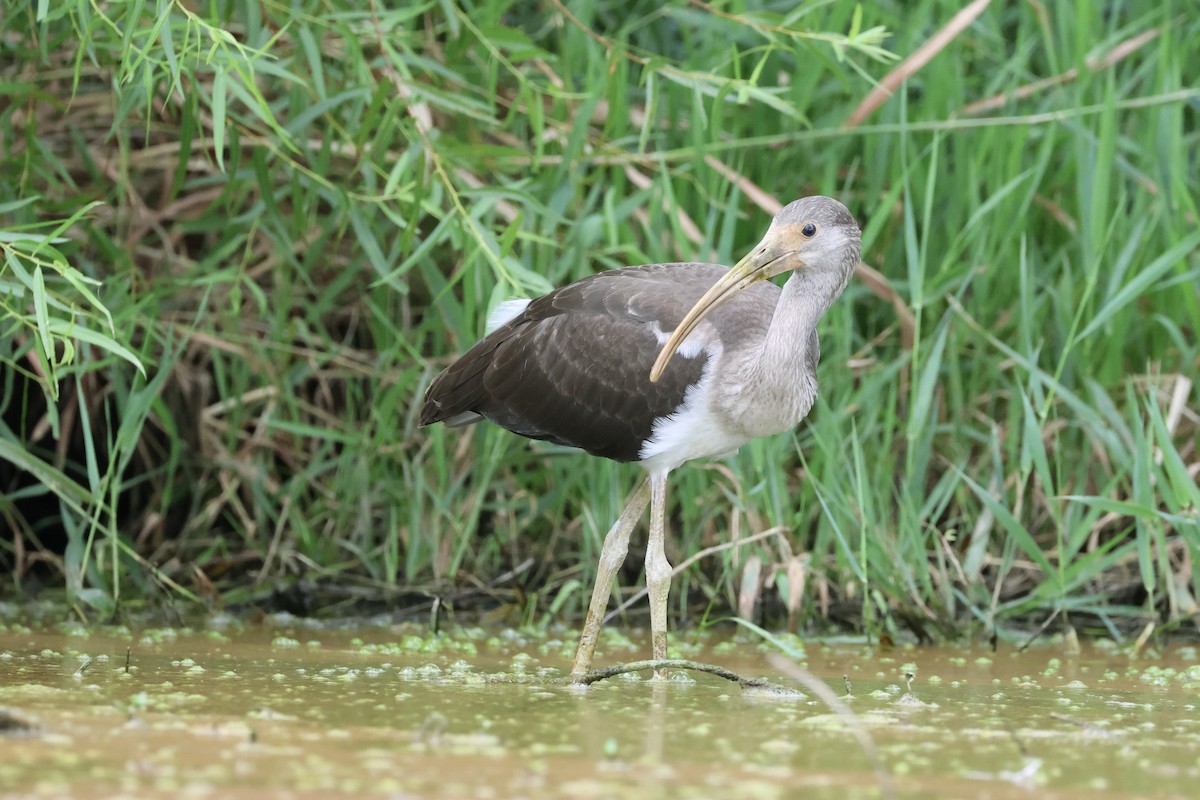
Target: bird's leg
(658,569)
(616,545)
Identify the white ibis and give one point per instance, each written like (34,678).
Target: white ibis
(736,359)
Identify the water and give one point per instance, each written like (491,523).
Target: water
(281,708)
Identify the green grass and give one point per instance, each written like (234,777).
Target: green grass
(297,213)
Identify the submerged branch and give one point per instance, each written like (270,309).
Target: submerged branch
(595,675)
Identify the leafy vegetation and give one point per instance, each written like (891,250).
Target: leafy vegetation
(239,239)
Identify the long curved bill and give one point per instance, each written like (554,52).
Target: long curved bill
(755,267)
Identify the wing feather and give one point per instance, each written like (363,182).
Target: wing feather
(573,367)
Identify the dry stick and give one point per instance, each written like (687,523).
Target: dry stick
(1041,629)
(1113,56)
(656,664)
(1142,638)
(881,287)
(826,695)
(749,590)
(687,225)
(913,64)
(755,193)
(708,551)
(1180,393)
(276,539)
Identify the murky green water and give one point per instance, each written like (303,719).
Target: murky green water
(285,709)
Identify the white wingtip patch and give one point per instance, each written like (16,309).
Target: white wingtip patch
(503,313)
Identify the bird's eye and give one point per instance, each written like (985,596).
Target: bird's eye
(809,230)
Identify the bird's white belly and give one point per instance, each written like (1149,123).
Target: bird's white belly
(693,431)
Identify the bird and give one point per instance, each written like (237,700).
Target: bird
(659,364)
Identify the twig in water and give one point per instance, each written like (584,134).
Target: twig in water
(589,678)
(1039,631)
(1142,638)
(435,615)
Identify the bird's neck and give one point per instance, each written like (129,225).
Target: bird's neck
(772,387)
(806,297)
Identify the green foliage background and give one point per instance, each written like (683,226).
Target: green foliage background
(239,239)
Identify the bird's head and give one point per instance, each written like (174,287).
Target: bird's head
(812,233)
(815,233)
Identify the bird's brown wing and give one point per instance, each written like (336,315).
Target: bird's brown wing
(573,367)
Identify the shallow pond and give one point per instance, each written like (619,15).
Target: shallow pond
(286,708)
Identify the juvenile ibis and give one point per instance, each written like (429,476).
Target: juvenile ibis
(660,364)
